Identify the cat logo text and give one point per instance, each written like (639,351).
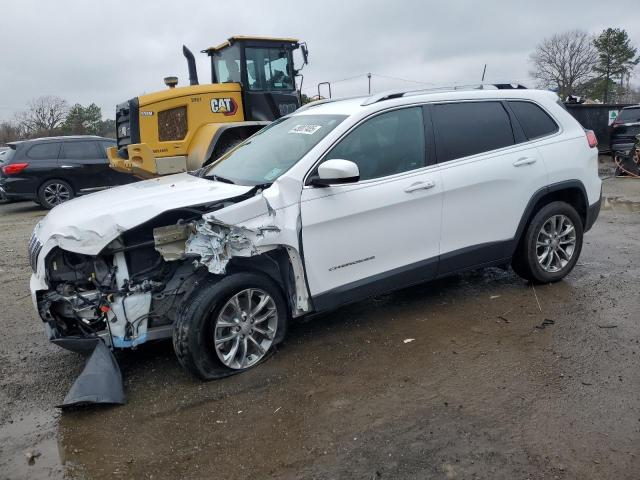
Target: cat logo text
(226,106)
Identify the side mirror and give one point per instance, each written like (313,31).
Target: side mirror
(336,172)
(305,53)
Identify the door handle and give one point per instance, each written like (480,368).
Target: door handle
(420,186)
(524,161)
(68,166)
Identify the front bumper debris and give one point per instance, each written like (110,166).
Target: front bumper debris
(100,381)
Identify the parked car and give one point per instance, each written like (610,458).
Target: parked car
(53,170)
(3,158)
(337,202)
(624,129)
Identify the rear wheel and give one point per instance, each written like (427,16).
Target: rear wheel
(551,244)
(54,192)
(230,325)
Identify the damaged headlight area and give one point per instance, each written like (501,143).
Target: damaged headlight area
(207,244)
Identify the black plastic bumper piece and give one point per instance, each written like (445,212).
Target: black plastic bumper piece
(592,214)
(99,382)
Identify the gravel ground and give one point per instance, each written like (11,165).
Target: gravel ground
(490,386)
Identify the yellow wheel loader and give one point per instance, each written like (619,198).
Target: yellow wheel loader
(183,128)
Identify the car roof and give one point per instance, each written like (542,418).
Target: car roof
(350,106)
(631,107)
(61,138)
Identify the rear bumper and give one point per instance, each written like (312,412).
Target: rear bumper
(622,145)
(17,189)
(592,214)
(15,196)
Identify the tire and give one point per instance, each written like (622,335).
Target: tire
(54,192)
(561,244)
(203,315)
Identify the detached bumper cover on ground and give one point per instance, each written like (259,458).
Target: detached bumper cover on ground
(99,382)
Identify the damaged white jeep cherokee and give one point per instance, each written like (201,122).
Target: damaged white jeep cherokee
(340,201)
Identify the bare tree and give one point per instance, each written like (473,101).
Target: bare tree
(564,61)
(9,132)
(44,116)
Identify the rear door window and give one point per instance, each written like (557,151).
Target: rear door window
(80,150)
(469,128)
(534,120)
(44,151)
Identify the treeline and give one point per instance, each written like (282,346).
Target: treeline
(598,67)
(49,116)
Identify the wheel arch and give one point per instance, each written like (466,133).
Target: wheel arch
(572,192)
(242,131)
(59,178)
(210,135)
(275,264)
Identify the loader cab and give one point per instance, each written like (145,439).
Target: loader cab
(265,69)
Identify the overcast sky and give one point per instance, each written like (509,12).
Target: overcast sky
(108,51)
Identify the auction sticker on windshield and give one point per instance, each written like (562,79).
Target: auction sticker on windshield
(305,129)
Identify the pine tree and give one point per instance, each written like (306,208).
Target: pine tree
(616,57)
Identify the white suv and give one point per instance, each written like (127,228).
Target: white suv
(340,201)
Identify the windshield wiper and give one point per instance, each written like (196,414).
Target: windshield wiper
(218,178)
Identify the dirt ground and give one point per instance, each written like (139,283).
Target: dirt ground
(499,381)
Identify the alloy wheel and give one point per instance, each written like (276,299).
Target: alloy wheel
(556,243)
(56,193)
(245,328)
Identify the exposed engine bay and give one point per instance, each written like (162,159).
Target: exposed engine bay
(131,292)
(119,294)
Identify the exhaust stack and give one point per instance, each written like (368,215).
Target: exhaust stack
(191,63)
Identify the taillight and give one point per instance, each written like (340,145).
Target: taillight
(14,168)
(591,138)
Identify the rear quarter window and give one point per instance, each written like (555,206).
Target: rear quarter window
(534,120)
(44,151)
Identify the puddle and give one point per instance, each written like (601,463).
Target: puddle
(29,447)
(617,204)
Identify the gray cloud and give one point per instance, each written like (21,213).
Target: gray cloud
(106,52)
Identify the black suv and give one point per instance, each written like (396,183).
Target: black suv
(53,170)
(624,129)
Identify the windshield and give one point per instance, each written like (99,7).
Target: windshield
(274,150)
(629,115)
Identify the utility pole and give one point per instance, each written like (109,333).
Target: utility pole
(369,77)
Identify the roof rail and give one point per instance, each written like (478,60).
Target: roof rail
(389,94)
(315,103)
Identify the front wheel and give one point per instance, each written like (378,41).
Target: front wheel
(551,244)
(230,325)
